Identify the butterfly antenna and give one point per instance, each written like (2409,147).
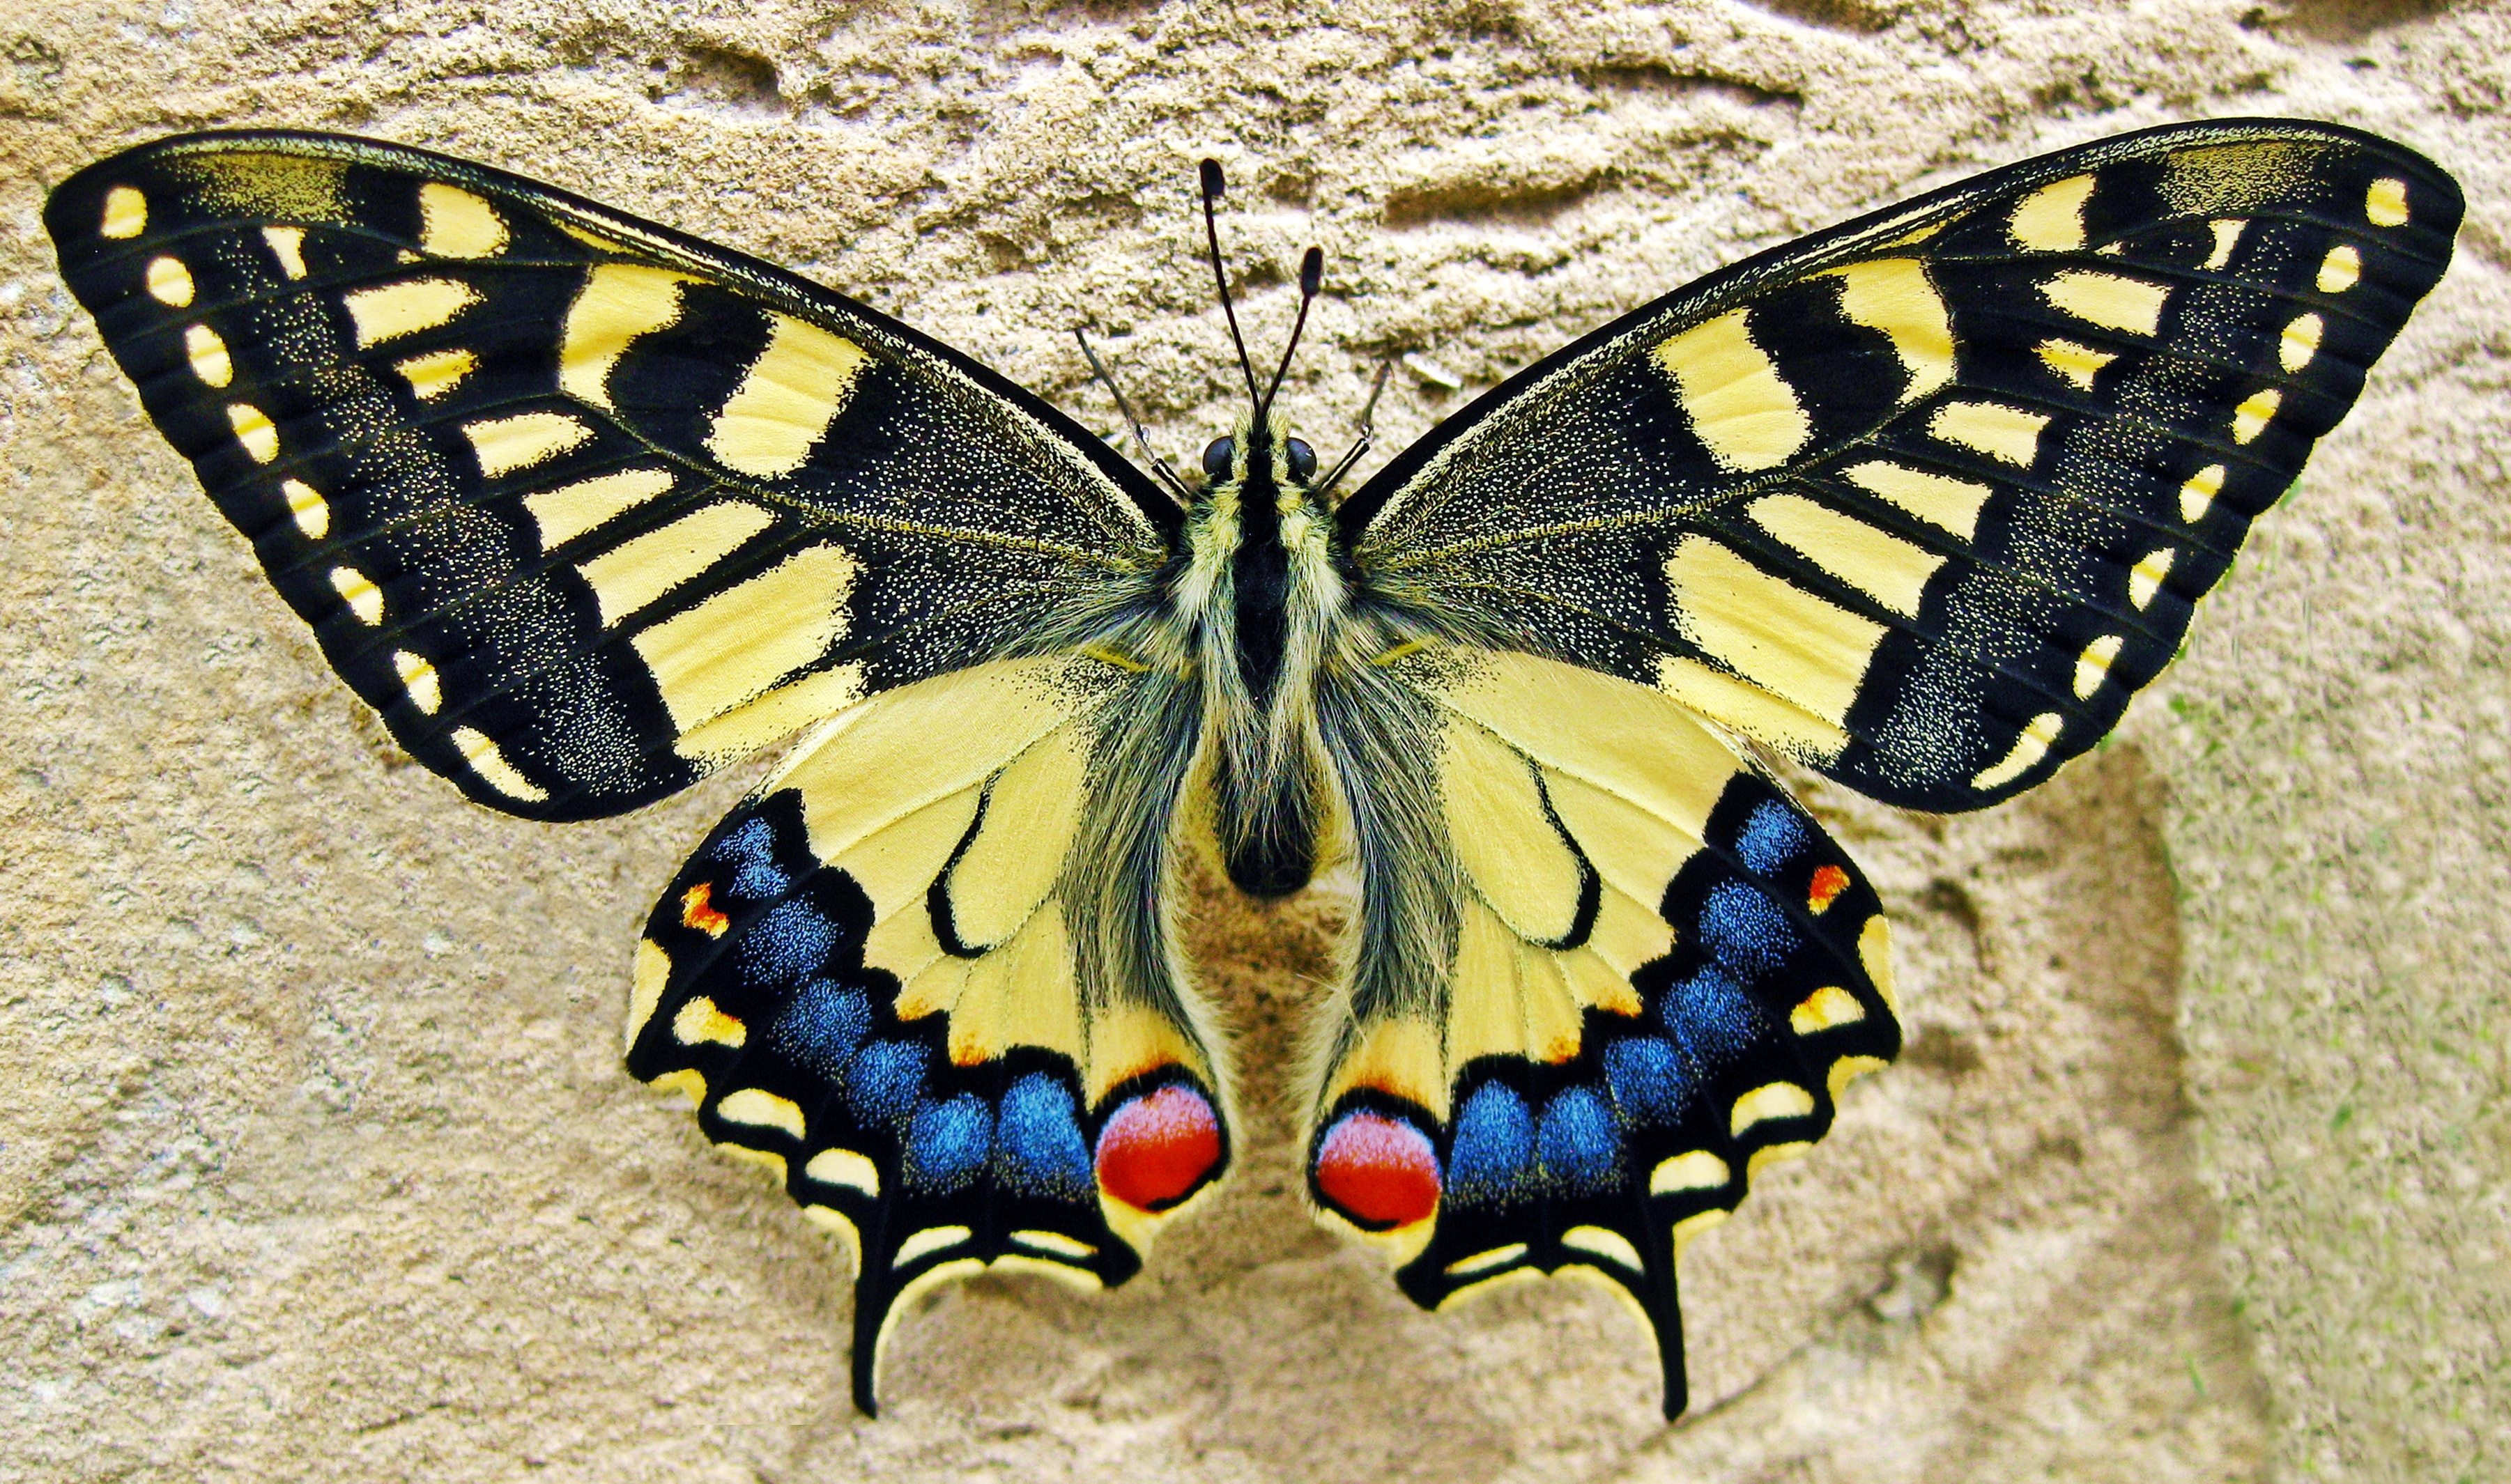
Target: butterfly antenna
(1312,277)
(1367,431)
(1212,186)
(1142,439)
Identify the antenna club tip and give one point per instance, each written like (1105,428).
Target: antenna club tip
(1213,184)
(1312,272)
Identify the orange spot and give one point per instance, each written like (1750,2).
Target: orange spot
(1828,883)
(1158,1147)
(1379,1171)
(695,913)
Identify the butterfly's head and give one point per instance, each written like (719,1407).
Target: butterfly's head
(1275,459)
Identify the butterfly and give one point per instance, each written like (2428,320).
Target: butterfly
(587,508)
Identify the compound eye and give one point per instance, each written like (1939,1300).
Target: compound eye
(1303,460)
(1216,455)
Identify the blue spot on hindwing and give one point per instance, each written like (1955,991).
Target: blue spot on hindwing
(791,940)
(1579,1146)
(947,1143)
(1040,1150)
(1771,838)
(883,1081)
(821,1026)
(749,853)
(1651,1085)
(1493,1150)
(1712,1016)
(1744,931)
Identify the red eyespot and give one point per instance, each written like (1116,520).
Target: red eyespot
(1157,1147)
(1380,1171)
(1828,883)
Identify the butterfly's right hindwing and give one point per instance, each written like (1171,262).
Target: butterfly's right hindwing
(585,509)
(1612,972)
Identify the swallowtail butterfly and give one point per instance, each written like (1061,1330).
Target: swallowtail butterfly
(587,508)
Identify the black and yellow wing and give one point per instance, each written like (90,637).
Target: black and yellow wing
(924,973)
(586,509)
(1924,499)
(1920,501)
(1632,971)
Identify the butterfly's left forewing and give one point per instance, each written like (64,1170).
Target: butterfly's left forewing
(584,507)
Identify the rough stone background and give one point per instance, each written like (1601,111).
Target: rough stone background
(316,1160)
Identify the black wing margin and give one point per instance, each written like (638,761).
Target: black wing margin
(1924,499)
(585,507)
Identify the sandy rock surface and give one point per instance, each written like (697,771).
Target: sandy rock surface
(315,1157)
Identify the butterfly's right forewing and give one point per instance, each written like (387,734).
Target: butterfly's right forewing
(1926,498)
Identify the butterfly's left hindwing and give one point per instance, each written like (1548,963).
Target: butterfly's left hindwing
(1649,974)
(583,507)
(902,977)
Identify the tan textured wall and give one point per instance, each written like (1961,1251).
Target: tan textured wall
(315,1158)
